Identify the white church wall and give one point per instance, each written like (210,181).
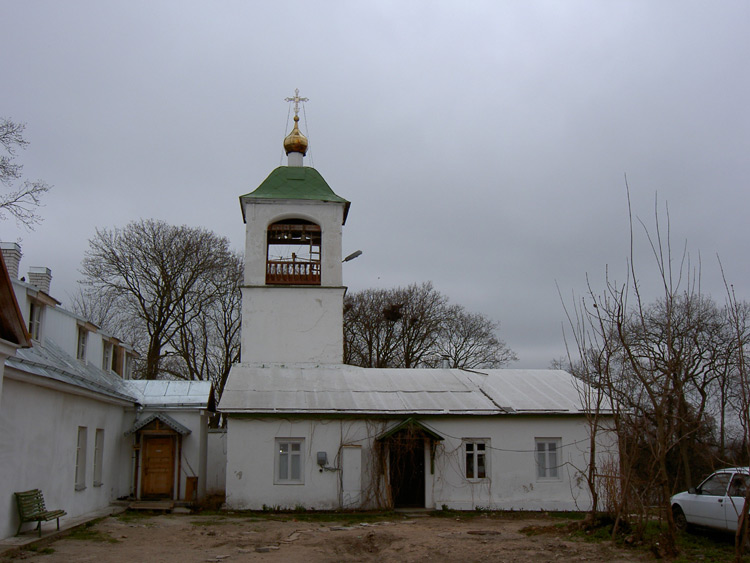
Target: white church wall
(6,350)
(252,464)
(41,427)
(128,453)
(261,213)
(216,473)
(511,482)
(283,324)
(315,328)
(60,329)
(193,454)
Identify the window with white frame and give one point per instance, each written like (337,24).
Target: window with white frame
(106,356)
(290,464)
(83,338)
(81,458)
(548,457)
(476,458)
(35,319)
(117,359)
(98,456)
(127,372)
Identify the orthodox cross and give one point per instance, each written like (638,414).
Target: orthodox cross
(296,99)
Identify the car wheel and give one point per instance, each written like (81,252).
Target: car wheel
(678,516)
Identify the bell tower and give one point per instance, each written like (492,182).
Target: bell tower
(293,293)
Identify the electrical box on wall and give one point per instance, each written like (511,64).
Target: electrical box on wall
(322,459)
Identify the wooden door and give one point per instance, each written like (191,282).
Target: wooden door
(158,466)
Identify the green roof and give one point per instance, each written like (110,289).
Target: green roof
(296,182)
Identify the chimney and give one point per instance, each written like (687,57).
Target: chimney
(40,277)
(12,256)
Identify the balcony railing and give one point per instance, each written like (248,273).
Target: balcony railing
(280,272)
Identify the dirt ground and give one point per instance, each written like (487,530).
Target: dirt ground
(219,538)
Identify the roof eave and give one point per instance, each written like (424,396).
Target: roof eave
(13,325)
(347,204)
(360,412)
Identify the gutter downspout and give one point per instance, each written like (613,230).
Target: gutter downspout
(179,465)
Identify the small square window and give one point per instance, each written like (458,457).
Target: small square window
(476,458)
(290,465)
(548,458)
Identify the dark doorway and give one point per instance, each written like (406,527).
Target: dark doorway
(406,461)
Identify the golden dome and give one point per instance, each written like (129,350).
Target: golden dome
(295,141)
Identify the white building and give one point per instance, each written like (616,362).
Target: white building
(74,424)
(304,430)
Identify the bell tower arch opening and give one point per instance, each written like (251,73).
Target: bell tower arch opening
(293,253)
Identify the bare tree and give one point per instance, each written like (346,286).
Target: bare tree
(469,340)
(660,362)
(161,276)
(415,326)
(738,320)
(590,368)
(24,198)
(370,331)
(111,312)
(206,346)
(423,312)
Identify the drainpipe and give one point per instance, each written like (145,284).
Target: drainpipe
(179,465)
(134,456)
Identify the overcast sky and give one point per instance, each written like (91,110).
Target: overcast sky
(483,145)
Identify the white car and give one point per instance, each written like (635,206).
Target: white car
(716,503)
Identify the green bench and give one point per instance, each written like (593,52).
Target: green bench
(31,509)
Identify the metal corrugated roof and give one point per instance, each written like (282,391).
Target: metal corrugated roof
(532,390)
(165,418)
(354,390)
(51,361)
(171,393)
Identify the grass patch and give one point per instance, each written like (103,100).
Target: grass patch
(567,515)
(134,516)
(210,517)
(446,512)
(88,533)
(141,517)
(26,551)
(344,517)
(592,534)
(214,521)
(44,550)
(707,546)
